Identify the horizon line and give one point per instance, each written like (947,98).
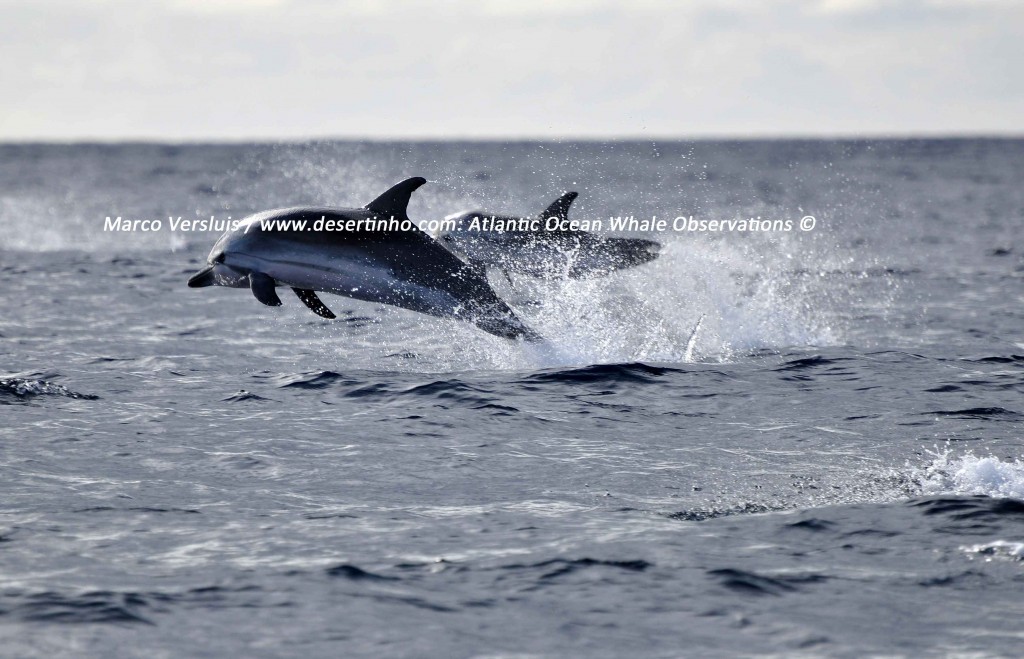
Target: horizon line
(732,137)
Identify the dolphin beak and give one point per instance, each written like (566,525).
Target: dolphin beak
(202,278)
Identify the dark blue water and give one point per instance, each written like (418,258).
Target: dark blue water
(830,468)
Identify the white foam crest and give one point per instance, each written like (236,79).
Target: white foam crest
(999,549)
(970,474)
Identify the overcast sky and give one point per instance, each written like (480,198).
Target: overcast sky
(232,69)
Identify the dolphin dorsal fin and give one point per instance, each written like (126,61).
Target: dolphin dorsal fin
(560,207)
(395,201)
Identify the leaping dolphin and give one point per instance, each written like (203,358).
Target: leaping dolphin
(540,252)
(403,267)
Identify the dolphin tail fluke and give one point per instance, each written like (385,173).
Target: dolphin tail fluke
(507,326)
(395,201)
(531,336)
(559,208)
(262,287)
(313,301)
(479,269)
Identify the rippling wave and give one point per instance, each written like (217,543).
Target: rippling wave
(837,444)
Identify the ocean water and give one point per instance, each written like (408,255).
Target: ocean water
(831,467)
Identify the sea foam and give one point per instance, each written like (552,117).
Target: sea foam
(970,474)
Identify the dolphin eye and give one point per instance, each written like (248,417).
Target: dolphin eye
(218,259)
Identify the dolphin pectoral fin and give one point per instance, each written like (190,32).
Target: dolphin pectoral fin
(263,288)
(311,300)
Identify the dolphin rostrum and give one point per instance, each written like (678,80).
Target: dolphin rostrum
(529,246)
(372,253)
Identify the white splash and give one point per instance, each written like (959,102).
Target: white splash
(999,549)
(969,474)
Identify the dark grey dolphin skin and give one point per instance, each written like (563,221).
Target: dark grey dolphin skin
(403,267)
(543,253)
